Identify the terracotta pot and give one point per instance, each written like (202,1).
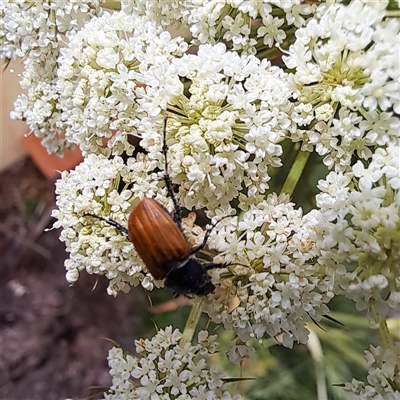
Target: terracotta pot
(49,164)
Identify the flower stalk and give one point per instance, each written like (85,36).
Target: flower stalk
(317,353)
(384,335)
(191,324)
(295,172)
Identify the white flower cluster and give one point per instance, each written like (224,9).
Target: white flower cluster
(39,106)
(222,138)
(33,30)
(383,375)
(165,370)
(362,225)
(107,73)
(108,188)
(346,81)
(243,25)
(282,289)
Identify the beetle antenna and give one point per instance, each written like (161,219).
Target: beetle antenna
(209,266)
(108,221)
(167,179)
(207,235)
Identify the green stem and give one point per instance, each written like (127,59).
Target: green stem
(385,339)
(112,5)
(269,53)
(191,324)
(317,354)
(295,172)
(392,13)
(384,335)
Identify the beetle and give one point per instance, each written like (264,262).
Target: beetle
(164,249)
(161,244)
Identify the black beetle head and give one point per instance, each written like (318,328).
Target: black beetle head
(190,278)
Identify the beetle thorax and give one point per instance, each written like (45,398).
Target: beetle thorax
(189,277)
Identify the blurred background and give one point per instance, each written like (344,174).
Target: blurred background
(53,342)
(52,335)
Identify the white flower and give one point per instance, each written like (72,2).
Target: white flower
(381,128)
(270,31)
(377,92)
(239,353)
(235,28)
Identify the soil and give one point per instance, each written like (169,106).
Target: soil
(52,335)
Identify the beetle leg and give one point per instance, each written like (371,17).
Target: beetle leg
(167,179)
(109,221)
(206,236)
(209,266)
